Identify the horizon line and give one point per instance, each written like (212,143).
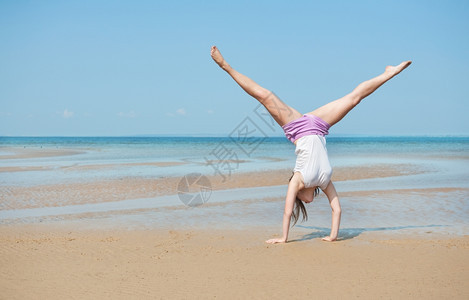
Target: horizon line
(225,136)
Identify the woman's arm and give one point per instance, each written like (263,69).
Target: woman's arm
(331,194)
(293,188)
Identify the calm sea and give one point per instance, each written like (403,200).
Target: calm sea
(211,155)
(191,153)
(442,164)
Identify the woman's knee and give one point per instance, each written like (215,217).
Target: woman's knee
(354,99)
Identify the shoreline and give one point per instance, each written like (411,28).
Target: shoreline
(105,226)
(110,190)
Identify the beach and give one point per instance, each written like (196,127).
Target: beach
(66,262)
(147,149)
(107,218)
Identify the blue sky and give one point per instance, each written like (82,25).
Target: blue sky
(112,68)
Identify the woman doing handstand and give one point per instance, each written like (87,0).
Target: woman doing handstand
(312,168)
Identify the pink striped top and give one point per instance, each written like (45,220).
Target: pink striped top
(306,125)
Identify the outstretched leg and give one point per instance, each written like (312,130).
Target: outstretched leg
(281,112)
(334,111)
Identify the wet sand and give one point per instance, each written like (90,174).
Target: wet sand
(21,153)
(90,167)
(51,262)
(50,195)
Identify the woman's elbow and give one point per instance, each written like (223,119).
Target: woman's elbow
(337,210)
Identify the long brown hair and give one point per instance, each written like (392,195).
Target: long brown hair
(299,206)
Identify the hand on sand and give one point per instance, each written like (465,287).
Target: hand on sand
(217,57)
(329,239)
(275,241)
(394,70)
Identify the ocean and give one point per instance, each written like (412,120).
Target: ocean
(435,181)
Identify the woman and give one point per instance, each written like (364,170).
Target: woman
(312,169)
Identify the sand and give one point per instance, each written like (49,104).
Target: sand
(51,262)
(80,256)
(60,194)
(21,153)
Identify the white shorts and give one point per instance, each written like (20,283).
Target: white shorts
(312,161)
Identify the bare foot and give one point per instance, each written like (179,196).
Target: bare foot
(275,241)
(218,58)
(329,239)
(394,70)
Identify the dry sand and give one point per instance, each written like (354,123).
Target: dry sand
(47,262)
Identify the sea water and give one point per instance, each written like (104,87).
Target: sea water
(196,153)
(444,162)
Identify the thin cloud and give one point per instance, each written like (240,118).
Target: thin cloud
(181,112)
(67,114)
(129,114)
(210,112)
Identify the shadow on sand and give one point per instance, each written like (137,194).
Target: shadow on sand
(350,233)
